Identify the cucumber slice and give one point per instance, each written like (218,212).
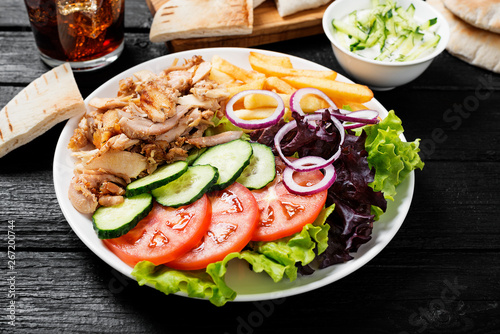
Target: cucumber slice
(389,50)
(409,44)
(376,33)
(407,15)
(114,221)
(428,24)
(194,154)
(349,30)
(261,170)
(432,42)
(230,159)
(158,178)
(410,11)
(189,187)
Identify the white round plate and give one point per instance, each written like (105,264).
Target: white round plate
(248,285)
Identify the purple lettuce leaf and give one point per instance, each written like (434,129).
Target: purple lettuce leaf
(352,222)
(320,139)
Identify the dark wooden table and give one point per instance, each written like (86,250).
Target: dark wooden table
(440,274)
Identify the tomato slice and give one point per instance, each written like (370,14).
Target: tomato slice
(164,234)
(234,217)
(283,213)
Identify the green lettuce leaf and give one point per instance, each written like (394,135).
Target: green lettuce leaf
(377,212)
(276,258)
(259,262)
(222,125)
(301,247)
(319,230)
(392,158)
(197,284)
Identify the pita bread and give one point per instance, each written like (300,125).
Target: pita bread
(484,14)
(473,45)
(289,7)
(201,18)
(48,100)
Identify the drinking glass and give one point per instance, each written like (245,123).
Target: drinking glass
(86,33)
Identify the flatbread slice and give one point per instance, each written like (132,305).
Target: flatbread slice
(289,7)
(201,18)
(484,14)
(50,99)
(473,45)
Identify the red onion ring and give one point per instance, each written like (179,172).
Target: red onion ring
(292,186)
(299,94)
(357,118)
(361,118)
(255,124)
(367,116)
(311,165)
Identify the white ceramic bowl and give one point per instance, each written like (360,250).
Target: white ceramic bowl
(377,74)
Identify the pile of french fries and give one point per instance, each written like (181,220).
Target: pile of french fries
(276,73)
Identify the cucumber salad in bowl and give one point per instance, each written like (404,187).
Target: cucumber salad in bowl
(387,32)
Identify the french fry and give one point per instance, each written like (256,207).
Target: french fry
(279,86)
(254,101)
(259,113)
(277,74)
(275,60)
(256,84)
(234,71)
(354,106)
(333,89)
(233,83)
(220,77)
(309,103)
(272,70)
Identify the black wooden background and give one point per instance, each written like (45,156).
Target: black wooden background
(440,274)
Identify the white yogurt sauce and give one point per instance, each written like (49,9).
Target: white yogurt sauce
(375,51)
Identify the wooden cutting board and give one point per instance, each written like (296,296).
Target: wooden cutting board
(268,27)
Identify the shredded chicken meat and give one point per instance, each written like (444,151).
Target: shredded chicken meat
(154,119)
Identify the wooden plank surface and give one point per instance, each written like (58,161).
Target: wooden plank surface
(268,27)
(57,296)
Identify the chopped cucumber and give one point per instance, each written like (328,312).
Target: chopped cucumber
(158,178)
(393,47)
(428,24)
(410,11)
(413,39)
(114,221)
(230,159)
(376,33)
(422,48)
(353,17)
(386,32)
(407,15)
(350,30)
(261,170)
(188,188)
